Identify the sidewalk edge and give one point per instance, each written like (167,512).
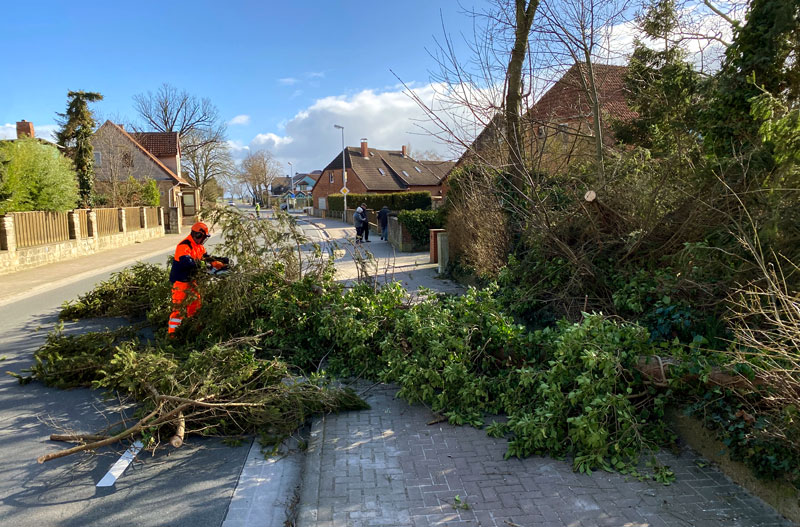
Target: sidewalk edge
(312,470)
(77,277)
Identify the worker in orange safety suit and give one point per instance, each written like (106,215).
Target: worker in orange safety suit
(189,256)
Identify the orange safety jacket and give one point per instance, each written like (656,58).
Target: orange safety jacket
(187,256)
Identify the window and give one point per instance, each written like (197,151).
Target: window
(381,171)
(405,173)
(562,130)
(541,132)
(330,178)
(98,159)
(127,159)
(417,169)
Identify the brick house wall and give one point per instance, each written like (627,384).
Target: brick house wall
(325,188)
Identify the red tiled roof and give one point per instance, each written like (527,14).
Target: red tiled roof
(389,170)
(566,99)
(159,144)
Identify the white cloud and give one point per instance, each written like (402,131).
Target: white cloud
(240,119)
(45,131)
(388,119)
(315,74)
(288,81)
(238,148)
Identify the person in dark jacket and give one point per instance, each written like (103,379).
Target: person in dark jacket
(365,222)
(358,222)
(383,221)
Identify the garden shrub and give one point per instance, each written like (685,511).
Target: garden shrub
(396,201)
(418,222)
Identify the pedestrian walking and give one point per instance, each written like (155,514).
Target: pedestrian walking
(258,210)
(365,222)
(358,222)
(383,222)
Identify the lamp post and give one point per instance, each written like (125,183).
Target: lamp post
(344,172)
(291,182)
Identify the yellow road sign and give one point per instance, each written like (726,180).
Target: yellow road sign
(344,190)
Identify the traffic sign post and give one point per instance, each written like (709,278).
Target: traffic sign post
(344,190)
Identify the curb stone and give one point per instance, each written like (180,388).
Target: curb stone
(312,467)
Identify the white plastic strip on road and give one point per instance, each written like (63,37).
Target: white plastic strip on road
(119,467)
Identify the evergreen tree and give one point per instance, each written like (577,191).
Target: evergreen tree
(77,128)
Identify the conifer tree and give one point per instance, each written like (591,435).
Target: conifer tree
(77,127)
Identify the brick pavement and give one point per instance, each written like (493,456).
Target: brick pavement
(388,467)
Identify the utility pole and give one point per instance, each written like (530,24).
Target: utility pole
(344,173)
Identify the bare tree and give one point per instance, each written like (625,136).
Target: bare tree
(195,119)
(207,163)
(258,170)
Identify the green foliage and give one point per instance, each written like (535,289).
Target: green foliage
(134,292)
(395,201)
(75,135)
(580,401)
(37,177)
(418,222)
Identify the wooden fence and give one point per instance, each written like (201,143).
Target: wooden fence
(133,219)
(40,228)
(107,221)
(152,216)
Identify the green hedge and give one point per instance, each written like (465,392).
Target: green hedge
(396,202)
(417,223)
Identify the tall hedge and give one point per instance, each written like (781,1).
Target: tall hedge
(396,201)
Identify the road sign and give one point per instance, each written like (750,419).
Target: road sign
(344,190)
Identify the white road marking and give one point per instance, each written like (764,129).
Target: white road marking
(119,467)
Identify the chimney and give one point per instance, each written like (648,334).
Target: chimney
(24,128)
(364,149)
(405,151)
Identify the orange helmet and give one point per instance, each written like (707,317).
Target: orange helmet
(201,228)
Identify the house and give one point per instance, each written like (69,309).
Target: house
(373,171)
(558,128)
(303,183)
(144,155)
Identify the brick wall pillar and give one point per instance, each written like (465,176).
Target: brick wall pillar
(123,225)
(433,244)
(91,222)
(74,225)
(8,240)
(143,218)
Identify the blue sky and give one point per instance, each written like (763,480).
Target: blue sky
(288,70)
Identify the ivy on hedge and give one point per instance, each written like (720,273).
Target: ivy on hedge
(417,223)
(395,201)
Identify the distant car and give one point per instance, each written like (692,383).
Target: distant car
(284,206)
(231,203)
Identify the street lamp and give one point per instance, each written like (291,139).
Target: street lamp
(291,181)
(344,172)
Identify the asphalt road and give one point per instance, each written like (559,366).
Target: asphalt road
(190,486)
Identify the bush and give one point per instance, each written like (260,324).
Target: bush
(417,222)
(395,201)
(37,177)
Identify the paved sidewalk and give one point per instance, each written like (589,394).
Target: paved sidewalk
(388,467)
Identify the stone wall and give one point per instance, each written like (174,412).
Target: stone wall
(14,259)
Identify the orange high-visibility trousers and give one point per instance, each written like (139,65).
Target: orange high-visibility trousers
(179,292)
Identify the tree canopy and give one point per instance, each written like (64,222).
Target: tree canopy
(75,135)
(35,177)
